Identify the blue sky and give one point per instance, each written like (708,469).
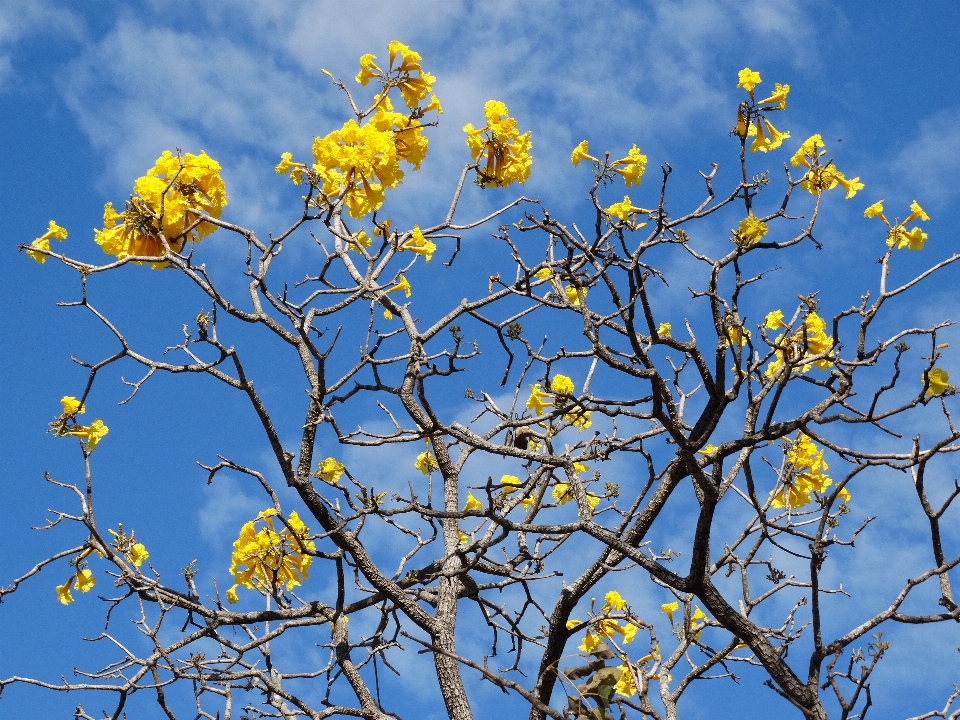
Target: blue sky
(91,93)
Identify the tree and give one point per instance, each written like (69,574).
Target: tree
(742,443)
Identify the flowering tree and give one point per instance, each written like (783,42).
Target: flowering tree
(716,442)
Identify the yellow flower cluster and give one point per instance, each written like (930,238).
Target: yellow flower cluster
(697,619)
(751,122)
(359,162)
(43,242)
(898,236)
(267,558)
(562,389)
(563,494)
(507,151)
(804,474)
(167,206)
(511,483)
(605,627)
(809,341)
(631,167)
(413,82)
(83,579)
(66,424)
(821,177)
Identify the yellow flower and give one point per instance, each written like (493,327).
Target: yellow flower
(778,98)
(138,553)
(91,434)
(426,462)
(774,320)
(539,400)
(613,601)
(287,165)
(936,382)
(769,140)
(419,244)
(562,384)
(916,212)
(402,285)
(580,153)
(63,592)
(573,297)
(434,104)
(810,149)
(633,166)
(543,273)
(876,210)
(368,69)
(670,608)
(463,538)
(360,240)
(507,151)
(579,418)
(749,231)
(43,242)
(663,330)
(387,315)
(472,503)
(626,685)
(748,79)
(232,595)
(84,580)
(71,406)
(624,211)
(329,470)
(270,557)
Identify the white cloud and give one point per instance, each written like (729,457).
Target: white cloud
(929,163)
(24,19)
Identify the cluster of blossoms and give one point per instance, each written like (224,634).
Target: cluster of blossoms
(267,558)
(804,474)
(630,168)
(66,424)
(563,494)
(560,396)
(603,627)
(83,578)
(796,350)
(821,177)
(751,114)
(506,151)
(571,293)
(357,163)
(697,618)
(166,208)
(897,235)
